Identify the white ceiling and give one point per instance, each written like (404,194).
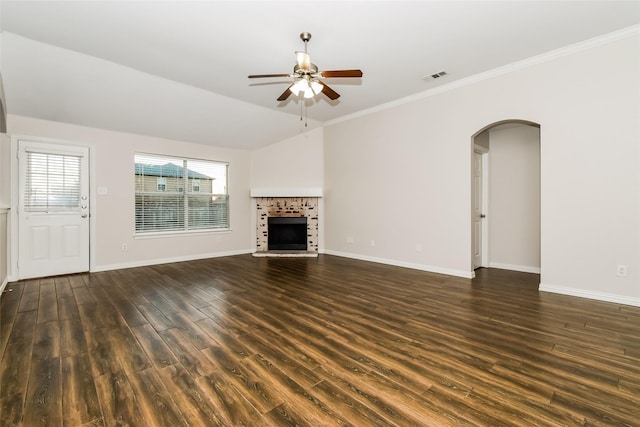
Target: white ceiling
(178,69)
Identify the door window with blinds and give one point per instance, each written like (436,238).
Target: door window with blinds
(177,194)
(52,182)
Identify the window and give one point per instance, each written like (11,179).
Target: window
(161,183)
(163,205)
(52,182)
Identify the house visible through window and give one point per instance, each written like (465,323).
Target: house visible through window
(178,194)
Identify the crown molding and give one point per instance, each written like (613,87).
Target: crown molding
(506,69)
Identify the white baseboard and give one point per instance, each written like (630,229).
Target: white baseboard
(4,284)
(415,266)
(145,263)
(515,267)
(600,296)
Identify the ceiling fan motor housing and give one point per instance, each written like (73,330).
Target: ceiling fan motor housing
(313,69)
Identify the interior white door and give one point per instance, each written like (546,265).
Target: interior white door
(53,209)
(478,215)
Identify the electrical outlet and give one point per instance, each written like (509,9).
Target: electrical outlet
(124,248)
(373,243)
(418,247)
(349,239)
(621,270)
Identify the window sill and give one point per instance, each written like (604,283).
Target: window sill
(166,234)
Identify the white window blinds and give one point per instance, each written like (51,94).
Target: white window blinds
(52,182)
(193,194)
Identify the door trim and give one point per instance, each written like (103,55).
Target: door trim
(484,157)
(13,270)
(485,209)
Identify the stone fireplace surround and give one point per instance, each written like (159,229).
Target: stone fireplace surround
(283,206)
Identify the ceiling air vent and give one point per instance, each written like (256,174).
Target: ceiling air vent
(438,75)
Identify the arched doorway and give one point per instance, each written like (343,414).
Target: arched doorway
(505,195)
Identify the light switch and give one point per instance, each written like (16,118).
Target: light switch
(102,191)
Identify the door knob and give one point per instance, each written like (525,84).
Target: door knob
(483,216)
(84,215)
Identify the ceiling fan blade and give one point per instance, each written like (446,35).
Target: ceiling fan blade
(304,60)
(286,93)
(258,76)
(341,73)
(331,94)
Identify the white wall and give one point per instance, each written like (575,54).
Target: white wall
(113,214)
(514,198)
(401,176)
(293,164)
(397,182)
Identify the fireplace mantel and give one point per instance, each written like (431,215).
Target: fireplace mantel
(287,192)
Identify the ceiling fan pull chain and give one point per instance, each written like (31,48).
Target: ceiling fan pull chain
(303,104)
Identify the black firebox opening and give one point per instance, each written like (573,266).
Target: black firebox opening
(287,233)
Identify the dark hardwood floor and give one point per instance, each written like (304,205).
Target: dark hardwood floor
(310,342)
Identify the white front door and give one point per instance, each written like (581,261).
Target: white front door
(478,214)
(53,209)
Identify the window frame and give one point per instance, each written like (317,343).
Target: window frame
(182,182)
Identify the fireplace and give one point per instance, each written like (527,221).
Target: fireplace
(287,233)
(298,219)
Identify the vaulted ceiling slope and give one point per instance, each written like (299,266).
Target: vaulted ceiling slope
(178,69)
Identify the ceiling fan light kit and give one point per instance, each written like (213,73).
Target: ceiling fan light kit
(309,88)
(306,76)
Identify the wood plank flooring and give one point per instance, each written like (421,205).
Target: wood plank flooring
(312,342)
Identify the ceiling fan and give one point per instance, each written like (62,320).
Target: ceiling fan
(306,76)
